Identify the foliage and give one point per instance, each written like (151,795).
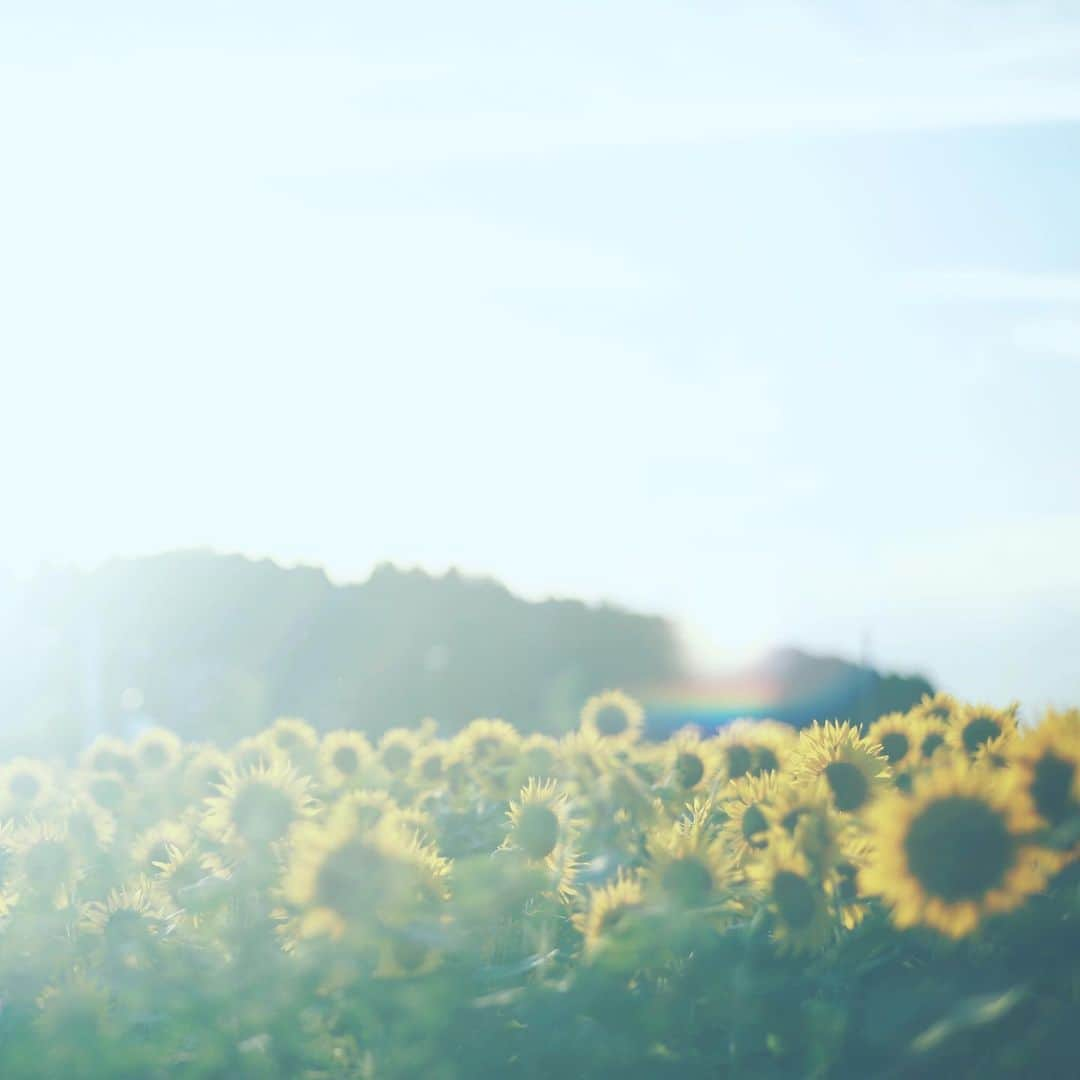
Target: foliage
(900,901)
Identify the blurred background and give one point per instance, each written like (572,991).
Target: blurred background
(760,319)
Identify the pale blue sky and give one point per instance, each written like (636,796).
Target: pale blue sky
(765,316)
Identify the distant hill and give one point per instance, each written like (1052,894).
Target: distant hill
(216,646)
(786,684)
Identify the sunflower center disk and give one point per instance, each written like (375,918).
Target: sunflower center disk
(124,929)
(689,769)
(688,881)
(212,779)
(154,756)
(895,745)
(611,918)
(537,831)
(739,761)
(47,864)
(159,853)
(958,849)
(765,761)
(849,786)
(847,891)
(346,760)
(794,899)
(754,824)
(367,817)
(1052,788)
(397,758)
(611,721)
(485,748)
(108,792)
(409,955)
(347,882)
(24,787)
(537,761)
(262,813)
(979,731)
(932,742)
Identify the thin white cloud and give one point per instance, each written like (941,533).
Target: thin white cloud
(1047,333)
(991,286)
(1055,337)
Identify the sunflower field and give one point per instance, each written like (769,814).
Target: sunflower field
(760,902)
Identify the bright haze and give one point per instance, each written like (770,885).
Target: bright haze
(763,316)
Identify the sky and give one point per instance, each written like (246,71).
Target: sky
(763,316)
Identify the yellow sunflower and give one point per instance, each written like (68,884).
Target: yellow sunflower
(613,717)
(741,749)
(1048,758)
(772,743)
(430,763)
(854,767)
(88,825)
(128,922)
(584,758)
(485,743)
(360,809)
(611,908)
(107,791)
(745,804)
(703,814)
(539,755)
(26,786)
(560,871)
(416,820)
(205,771)
(346,880)
(842,882)
(806,815)
(626,792)
(953,851)
(151,846)
(109,755)
(407,953)
(256,752)
(397,748)
(688,867)
(540,830)
(295,738)
(258,807)
(932,737)
(691,761)
(794,896)
(994,753)
(539,820)
(46,861)
(940,706)
(192,879)
(78,1004)
(345,757)
(974,725)
(156,750)
(898,736)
